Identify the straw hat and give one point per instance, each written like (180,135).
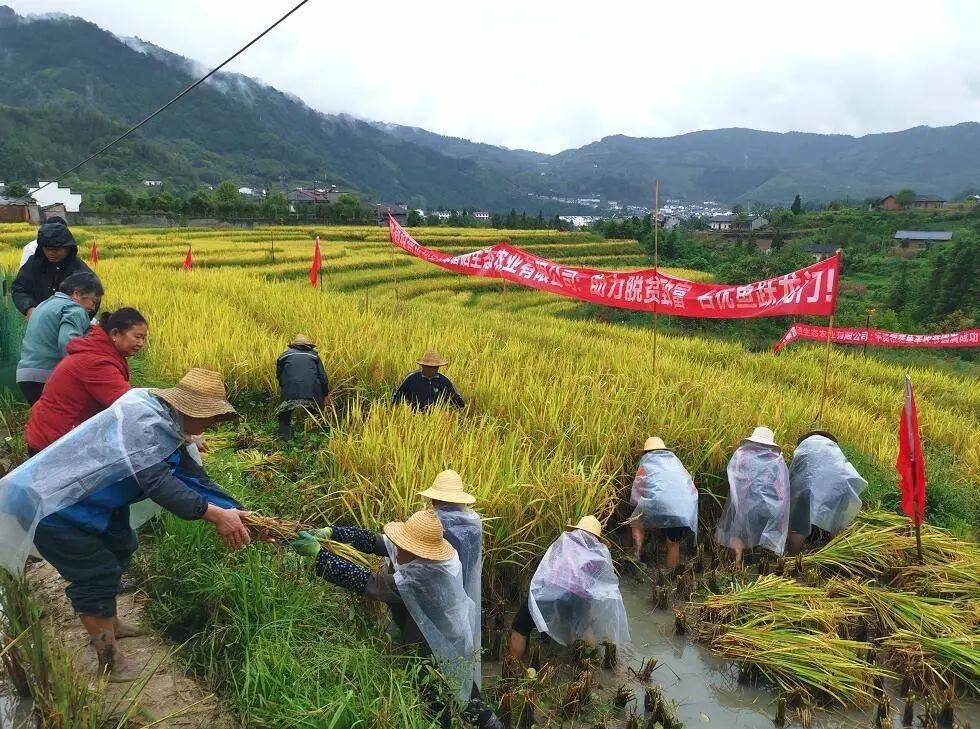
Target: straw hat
(431,358)
(588,524)
(448,487)
(654,444)
(422,535)
(301,339)
(199,394)
(762,436)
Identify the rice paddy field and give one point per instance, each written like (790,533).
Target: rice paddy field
(558,408)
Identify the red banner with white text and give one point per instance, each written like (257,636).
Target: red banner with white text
(878,337)
(811,291)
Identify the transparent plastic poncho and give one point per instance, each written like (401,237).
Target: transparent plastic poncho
(664,495)
(574,594)
(434,595)
(134,433)
(757,510)
(464,530)
(825,489)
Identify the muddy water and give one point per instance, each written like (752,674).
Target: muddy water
(705,688)
(15,712)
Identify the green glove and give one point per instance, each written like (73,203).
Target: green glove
(306,546)
(322,533)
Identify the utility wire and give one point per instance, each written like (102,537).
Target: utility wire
(178,97)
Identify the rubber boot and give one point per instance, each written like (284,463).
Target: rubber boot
(128,630)
(116,667)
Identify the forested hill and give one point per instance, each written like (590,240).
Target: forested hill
(66,86)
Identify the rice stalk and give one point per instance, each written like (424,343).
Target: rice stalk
(946,659)
(901,610)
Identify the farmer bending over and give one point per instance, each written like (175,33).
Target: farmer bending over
(421,582)
(302,382)
(427,386)
(574,594)
(72,500)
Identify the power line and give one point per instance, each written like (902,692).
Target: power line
(177,98)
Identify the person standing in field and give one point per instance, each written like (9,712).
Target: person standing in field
(302,382)
(421,582)
(464,530)
(72,500)
(31,248)
(757,511)
(93,376)
(427,386)
(56,322)
(825,489)
(574,594)
(663,497)
(55,259)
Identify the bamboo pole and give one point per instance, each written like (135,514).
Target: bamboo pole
(656,263)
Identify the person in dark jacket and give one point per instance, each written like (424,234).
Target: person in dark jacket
(57,321)
(93,376)
(55,259)
(302,382)
(427,386)
(89,540)
(420,539)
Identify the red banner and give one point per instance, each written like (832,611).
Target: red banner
(910,464)
(317,263)
(879,337)
(811,291)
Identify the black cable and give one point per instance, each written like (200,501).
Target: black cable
(177,98)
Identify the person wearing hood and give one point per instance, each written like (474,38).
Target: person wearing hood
(31,248)
(55,259)
(93,376)
(71,501)
(56,322)
(825,489)
(663,497)
(421,582)
(756,513)
(302,382)
(574,593)
(427,386)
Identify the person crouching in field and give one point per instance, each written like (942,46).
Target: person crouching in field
(93,376)
(757,511)
(664,497)
(56,321)
(574,594)
(72,500)
(302,382)
(427,386)
(825,489)
(421,582)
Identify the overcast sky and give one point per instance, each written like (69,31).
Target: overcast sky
(552,74)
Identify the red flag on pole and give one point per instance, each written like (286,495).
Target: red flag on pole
(910,464)
(188,259)
(317,263)
(93,254)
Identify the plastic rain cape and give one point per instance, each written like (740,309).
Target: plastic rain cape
(664,493)
(464,531)
(136,432)
(824,483)
(757,510)
(434,595)
(574,593)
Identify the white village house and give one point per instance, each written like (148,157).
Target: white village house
(47,195)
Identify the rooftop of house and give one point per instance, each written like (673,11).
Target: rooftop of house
(928,198)
(923,235)
(821,248)
(4,200)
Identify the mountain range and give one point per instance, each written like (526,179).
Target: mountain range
(68,86)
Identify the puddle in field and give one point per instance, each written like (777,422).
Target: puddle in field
(15,712)
(705,688)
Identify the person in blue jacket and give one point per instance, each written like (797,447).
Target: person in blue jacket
(78,491)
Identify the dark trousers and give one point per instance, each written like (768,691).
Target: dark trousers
(31,391)
(286,424)
(91,564)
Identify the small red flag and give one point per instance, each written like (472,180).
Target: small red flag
(93,254)
(910,464)
(188,259)
(317,263)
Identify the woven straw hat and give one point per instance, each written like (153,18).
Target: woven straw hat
(654,444)
(763,436)
(448,487)
(301,339)
(431,358)
(199,394)
(588,524)
(422,535)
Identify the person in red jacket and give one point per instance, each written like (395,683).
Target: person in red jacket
(93,376)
